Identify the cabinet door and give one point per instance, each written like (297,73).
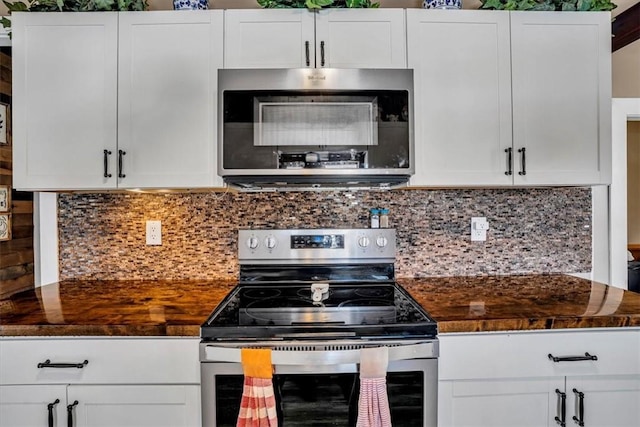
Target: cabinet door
(562,96)
(499,402)
(361,38)
(136,406)
(462,96)
(28,405)
(608,400)
(167,98)
(274,38)
(64,100)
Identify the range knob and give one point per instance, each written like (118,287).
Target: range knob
(363,241)
(270,242)
(252,242)
(381,241)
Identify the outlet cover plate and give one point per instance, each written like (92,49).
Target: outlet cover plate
(479,227)
(154,233)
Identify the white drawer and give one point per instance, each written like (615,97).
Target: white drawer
(110,360)
(526,354)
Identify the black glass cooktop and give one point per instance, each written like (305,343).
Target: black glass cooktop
(279,311)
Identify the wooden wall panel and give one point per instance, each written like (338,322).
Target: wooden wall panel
(16,255)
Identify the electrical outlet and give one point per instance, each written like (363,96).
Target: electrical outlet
(154,233)
(479,227)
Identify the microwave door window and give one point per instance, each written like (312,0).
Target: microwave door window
(307,130)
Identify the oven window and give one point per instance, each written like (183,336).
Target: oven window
(324,399)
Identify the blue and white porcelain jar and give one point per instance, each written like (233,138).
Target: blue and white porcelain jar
(190,4)
(442,4)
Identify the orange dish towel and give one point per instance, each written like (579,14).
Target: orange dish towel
(373,405)
(258,405)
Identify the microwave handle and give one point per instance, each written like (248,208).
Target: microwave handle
(322,358)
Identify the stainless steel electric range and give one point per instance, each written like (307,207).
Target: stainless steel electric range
(316,297)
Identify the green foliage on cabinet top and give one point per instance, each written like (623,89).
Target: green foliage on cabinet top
(74,5)
(70,6)
(317,4)
(550,5)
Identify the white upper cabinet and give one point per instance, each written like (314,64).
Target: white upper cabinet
(334,38)
(129,100)
(462,80)
(64,100)
(270,38)
(511,98)
(167,92)
(561,65)
(361,38)
(116,100)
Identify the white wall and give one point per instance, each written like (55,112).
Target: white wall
(626,71)
(633,181)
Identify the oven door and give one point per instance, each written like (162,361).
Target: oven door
(324,394)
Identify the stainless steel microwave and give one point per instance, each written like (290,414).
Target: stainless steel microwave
(315,128)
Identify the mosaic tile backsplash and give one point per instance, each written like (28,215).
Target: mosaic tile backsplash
(102,236)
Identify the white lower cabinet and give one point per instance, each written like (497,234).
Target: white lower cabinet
(100,405)
(608,400)
(498,402)
(125,382)
(30,406)
(135,405)
(508,379)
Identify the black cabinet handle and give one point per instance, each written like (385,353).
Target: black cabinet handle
(70,413)
(561,418)
(586,356)
(306,52)
(50,407)
(322,53)
(523,160)
(107,153)
(580,418)
(47,364)
(121,153)
(509,152)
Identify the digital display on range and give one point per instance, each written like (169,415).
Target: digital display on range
(318,241)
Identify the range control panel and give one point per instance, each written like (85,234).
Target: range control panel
(316,246)
(318,241)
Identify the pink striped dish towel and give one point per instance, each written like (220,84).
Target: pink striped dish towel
(258,405)
(373,405)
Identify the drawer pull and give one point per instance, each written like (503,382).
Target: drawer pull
(586,356)
(562,409)
(70,413)
(580,419)
(47,364)
(50,407)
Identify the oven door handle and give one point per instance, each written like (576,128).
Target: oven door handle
(215,353)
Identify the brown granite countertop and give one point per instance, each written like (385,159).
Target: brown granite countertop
(178,308)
